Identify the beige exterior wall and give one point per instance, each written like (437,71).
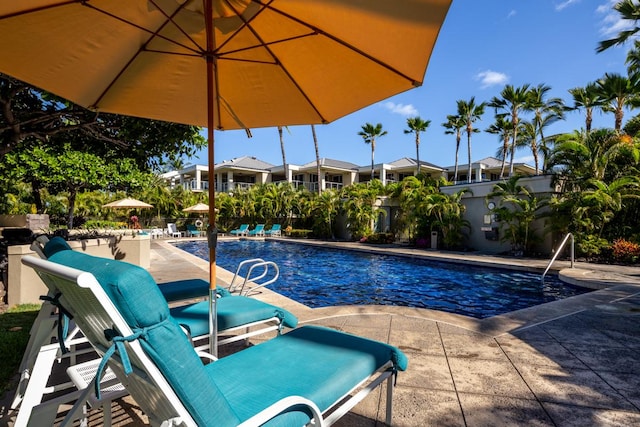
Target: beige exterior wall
(24,286)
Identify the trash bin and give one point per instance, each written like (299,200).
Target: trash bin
(434,240)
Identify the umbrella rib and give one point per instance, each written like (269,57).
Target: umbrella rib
(247,24)
(339,41)
(38,9)
(142,48)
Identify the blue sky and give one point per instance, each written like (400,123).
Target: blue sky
(482,46)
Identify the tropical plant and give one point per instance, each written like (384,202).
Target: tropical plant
(511,102)
(517,208)
(454,126)
(619,93)
(416,126)
(546,112)
(629,10)
(470,113)
(446,212)
(587,98)
(370,133)
(503,128)
(359,205)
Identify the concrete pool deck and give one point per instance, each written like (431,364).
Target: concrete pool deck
(573,362)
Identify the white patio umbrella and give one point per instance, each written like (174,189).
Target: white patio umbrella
(225,64)
(128,203)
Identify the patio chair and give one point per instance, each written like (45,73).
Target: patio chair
(239,318)
(293,379)
(172,230)
(274,231)
(242,231)
(258,231)
(192,231)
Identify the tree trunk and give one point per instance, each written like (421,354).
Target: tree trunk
(315,144)
(469,154)
(373,150)
(72,206)
(418,150)
(455,168)
(284,157)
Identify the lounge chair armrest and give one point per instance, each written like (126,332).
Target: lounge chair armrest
(283,405)
(204,355)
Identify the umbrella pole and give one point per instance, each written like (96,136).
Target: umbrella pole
(212,232)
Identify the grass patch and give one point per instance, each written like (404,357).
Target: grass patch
(15,325)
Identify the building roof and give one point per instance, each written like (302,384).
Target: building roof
(407,162)
(331,163)
(245,162)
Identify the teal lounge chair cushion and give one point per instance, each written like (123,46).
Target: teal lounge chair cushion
(321,364)
(54,245)
(136,295)
(232,311)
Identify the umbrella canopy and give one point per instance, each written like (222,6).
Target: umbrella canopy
(128,203)
(223,64)
(199,208)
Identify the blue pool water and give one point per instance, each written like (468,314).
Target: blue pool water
(320,277)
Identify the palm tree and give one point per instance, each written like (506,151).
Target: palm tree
(369,133)
(315,144)
(629,10)
(633,59)
(587,97)
(512,100)
(619,92)
(416,125)
(470,113)
(546,112)
(284,157)
(454,126)
(502,128)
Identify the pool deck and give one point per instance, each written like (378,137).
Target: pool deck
(574,362)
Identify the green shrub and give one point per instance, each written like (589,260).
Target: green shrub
(300,233)
(379,238)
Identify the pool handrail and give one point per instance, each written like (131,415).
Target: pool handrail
(555,255)
(253,264)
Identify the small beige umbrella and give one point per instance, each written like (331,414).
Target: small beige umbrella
(199,208)
(128,203)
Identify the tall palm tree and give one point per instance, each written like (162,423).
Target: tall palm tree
(512,101)
(588,98)
(546,112)
(470,113)
(629,10)
(619,92)
(369,133)
(416,125)
(284,157)
(633,59)
(315,145)
(502,128)
(529,135)
(454,126)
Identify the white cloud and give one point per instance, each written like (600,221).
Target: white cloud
(404,110)
(565,4)
(511,13)
(611,23)
(491,78)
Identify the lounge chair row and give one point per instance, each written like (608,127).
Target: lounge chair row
(243,230)
(292,379)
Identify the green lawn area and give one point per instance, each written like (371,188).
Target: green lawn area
(15,325)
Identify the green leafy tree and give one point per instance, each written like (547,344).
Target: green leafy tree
(416,126)
(619,93)
(629,10)
(470,113)
(587,98)
(503,128)
(370,133)
(512,101)
(454,126)
(70,171)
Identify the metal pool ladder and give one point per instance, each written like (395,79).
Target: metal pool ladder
(560,247)
(262,267)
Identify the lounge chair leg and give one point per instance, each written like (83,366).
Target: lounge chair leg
(389,400)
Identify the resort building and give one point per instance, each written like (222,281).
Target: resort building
(244,172)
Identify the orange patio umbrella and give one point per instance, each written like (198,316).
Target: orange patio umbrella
(222,64)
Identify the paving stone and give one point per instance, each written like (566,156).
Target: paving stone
(484,410)
(415,407)
(578,416)
(489,377)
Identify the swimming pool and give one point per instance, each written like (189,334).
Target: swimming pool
(321,277)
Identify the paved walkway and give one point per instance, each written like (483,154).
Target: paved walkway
(569,363)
